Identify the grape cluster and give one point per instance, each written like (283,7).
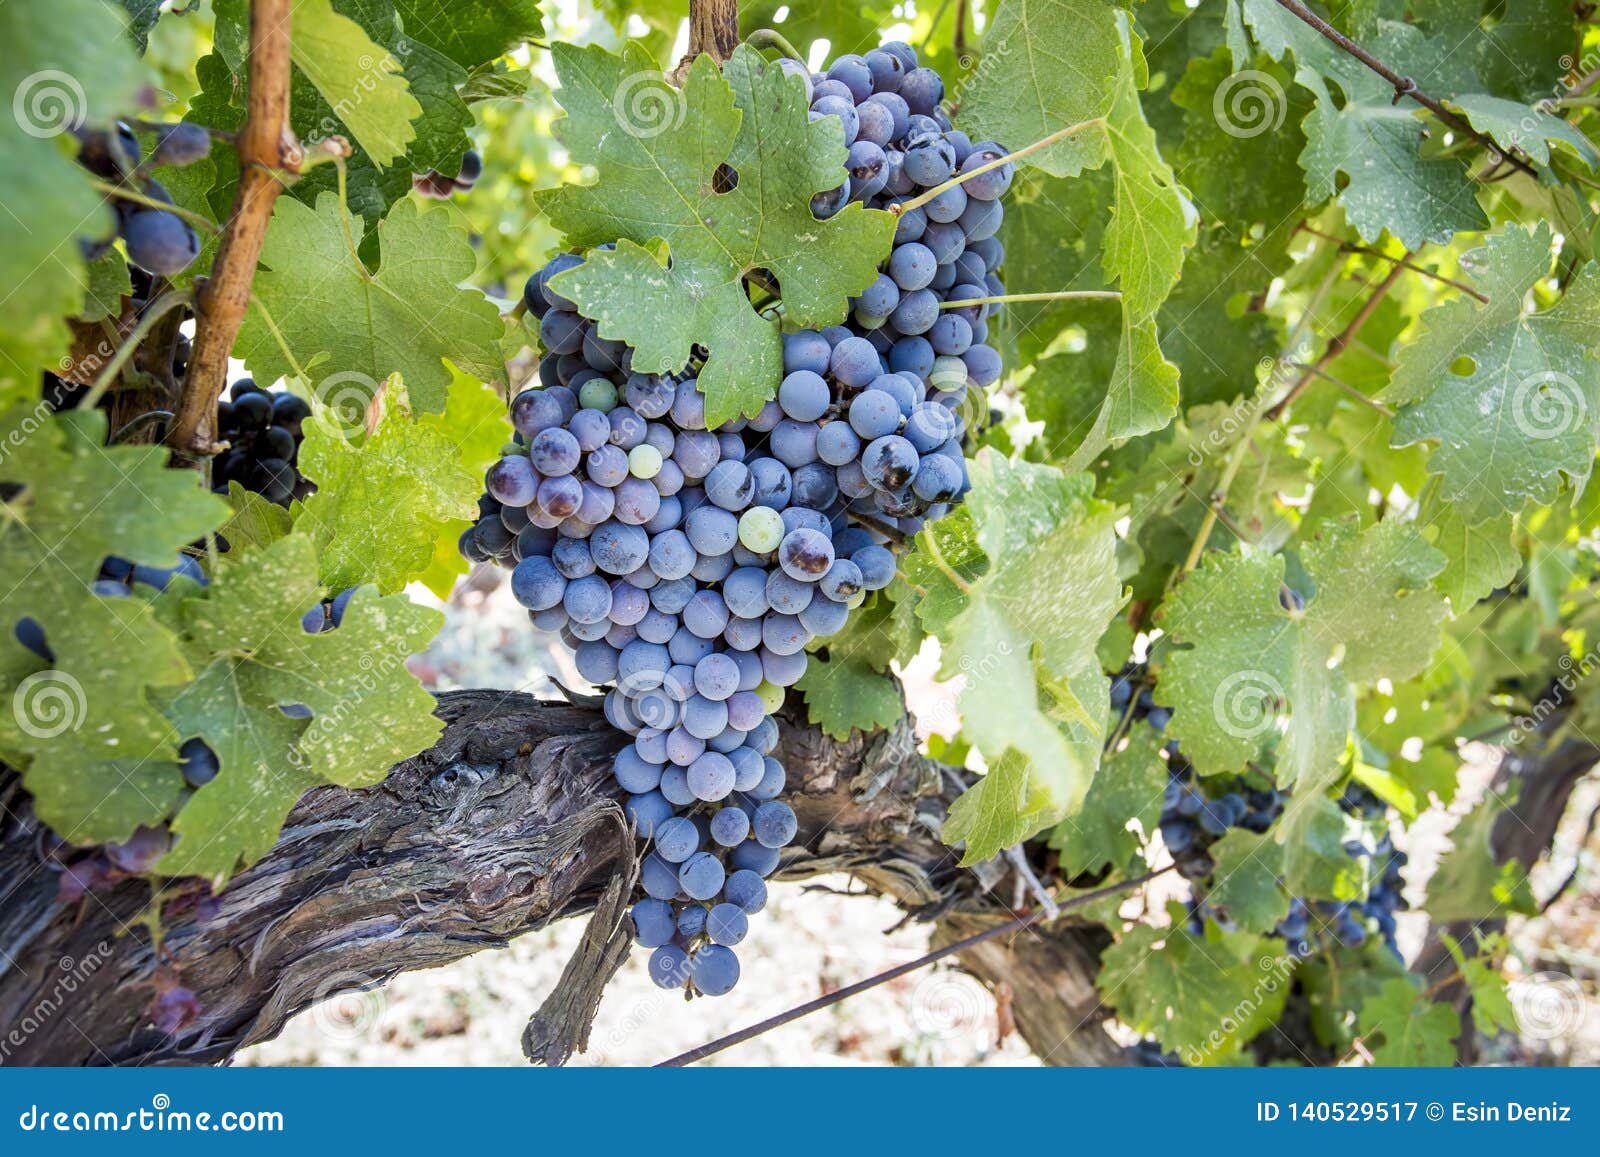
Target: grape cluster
(157,241)
(688,568)
(440,187)
(263,434)
(1348,921)
(1192,820)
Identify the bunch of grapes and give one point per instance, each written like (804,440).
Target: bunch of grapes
(440,187)
(158,241)
(1192,820)
(689,568)
(1348,921)
(263,433)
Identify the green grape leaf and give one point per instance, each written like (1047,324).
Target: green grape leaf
(65,64)
(846,694)
(657,150)
(381,506)
(95,752)
(1128,786)
(256,522)
(142,17)
(1362,137)
(471,32)
(1246,884)
(1401,1026)
(244,637)
(1201,996)
(1249,668)
(317,298)
(1024,639)
(1525,417)
(1525,127)
(1470,883)
(358,78)
(1478,558)
(1492,1010)
(108,283)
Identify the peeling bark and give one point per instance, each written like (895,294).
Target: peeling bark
(509,823)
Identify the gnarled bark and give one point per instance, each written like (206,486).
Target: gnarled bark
(509,823)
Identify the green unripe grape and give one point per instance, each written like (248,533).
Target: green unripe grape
(949,374)
(644,461)
(760,529)
(599,394)
(771,696)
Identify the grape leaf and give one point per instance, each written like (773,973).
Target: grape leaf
(1246,881)
(245,639)
(1361,135)
(1402,1026)
(1478,558)
(657,151)
(1128,786)
(1492,1010)
(1024,641)
(846,694)
(142,17)
(1202,996)
(255,521)
(357,77)
(1526,416)
(406,318)
(1470,883)
(1525,127)
(108,283)
(96,754)
(1249,668)
(65,65)
(381,506)
(471,32)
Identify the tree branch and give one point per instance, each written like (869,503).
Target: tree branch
(713,30)
(508,824)
(266,148)
(1404,86)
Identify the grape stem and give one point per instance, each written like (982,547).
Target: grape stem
(1060,295)
(134,425)
(123,193)
(1037,916)
(153,313)
(763,38)
(1404,86)
(1368,251)
(267,148)
(1042,143)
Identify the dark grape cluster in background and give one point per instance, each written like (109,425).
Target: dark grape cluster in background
(157,241)
(688,568)
(263,433)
